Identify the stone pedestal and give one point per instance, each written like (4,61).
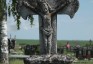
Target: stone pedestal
(48,59)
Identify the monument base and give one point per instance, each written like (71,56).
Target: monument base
(48,59)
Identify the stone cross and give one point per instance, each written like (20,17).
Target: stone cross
(47,11)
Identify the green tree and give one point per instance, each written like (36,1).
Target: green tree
(12,11)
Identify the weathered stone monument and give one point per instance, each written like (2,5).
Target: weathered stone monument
(47,11)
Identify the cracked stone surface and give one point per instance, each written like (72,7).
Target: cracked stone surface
(49,59)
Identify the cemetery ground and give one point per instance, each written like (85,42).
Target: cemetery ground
(60,43)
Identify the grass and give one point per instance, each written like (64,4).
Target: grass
(16,61)
(59,42)
(84,62)
(22,42)
(72,42)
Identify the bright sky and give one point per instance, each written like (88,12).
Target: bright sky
(78,28)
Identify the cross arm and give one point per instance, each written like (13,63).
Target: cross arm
(59,8)
(34,9)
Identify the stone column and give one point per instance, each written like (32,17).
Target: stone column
(54,37)
(42,51)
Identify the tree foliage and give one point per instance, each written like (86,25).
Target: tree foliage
(12,10)
(2,8)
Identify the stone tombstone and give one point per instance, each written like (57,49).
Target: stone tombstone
(47,11)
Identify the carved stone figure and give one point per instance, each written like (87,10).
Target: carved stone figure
(47,33)
(47,27)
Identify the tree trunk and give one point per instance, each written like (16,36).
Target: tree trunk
(3,43)
(54,36)
(3,36)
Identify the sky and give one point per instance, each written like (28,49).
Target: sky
(78,28)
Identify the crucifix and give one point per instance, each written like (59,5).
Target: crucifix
(47,11)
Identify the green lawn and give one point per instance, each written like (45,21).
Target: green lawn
(22,42)
(16,61)
(59,42)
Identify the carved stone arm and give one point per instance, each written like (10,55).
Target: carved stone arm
(59,8)
(29,6)
(68,7)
